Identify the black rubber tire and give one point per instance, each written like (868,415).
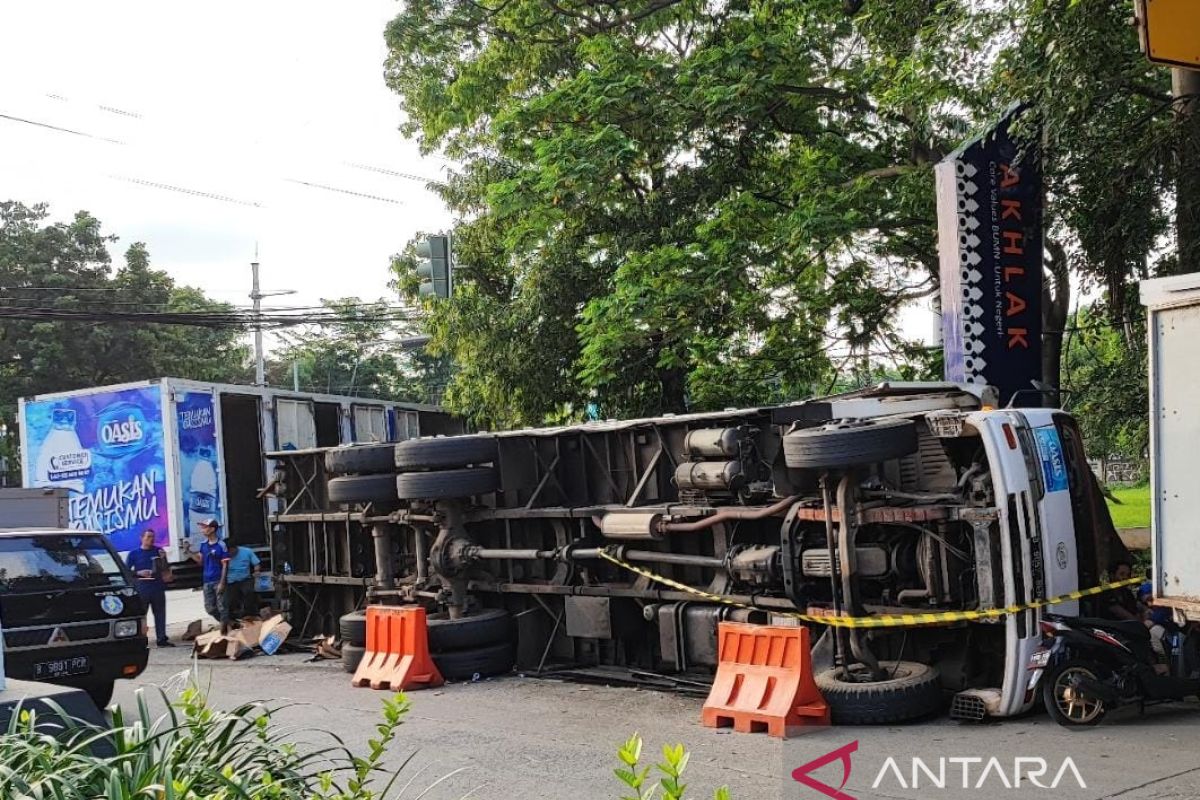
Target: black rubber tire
(101,694)
(352,655)
(487,627)
(915,692)
(1050,677)
(464,665)
(349,489)
(361,459)
(852,443)
(445,483)
(353,628)
(446,452)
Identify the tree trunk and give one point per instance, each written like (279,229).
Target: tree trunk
(1185,84)
(674,390)
(1056,305)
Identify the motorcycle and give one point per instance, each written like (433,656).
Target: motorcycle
(1085,667)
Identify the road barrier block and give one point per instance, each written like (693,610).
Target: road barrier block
(397,655)
(764,681)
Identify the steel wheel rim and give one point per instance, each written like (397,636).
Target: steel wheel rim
(1071,703)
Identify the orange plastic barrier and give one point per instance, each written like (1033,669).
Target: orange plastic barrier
(397,656)
(764,681)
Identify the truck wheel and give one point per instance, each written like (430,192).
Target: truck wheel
(445,483)
(1065,704)
(352,655)
(463,665)
(913,692)
(361,459)
(445,452)
(486,627)
(850,443)
(101,694)
(379,489)
(353,628)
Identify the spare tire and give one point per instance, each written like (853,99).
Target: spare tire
(361,459)
(353,628)
(913,692)
(445,483)
(445,452)
(486,627)
(850,443)
(348,489)
(352,655)
(463,665)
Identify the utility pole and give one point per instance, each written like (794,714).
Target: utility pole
(1185,88)
(256,296)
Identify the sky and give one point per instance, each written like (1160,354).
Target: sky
(245,101)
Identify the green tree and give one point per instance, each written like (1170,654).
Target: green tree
(671,204)
(358,353)
(66,266)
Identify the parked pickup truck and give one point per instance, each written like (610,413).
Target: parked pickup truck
(903,499)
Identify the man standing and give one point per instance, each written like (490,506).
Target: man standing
(239,583)
(149,564)
(213,559)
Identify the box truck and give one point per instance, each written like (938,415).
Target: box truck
(166,454)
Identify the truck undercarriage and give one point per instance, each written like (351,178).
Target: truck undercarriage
(876,502)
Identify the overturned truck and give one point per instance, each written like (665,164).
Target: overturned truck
(615,548)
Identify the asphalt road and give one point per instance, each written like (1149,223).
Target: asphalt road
(528,738)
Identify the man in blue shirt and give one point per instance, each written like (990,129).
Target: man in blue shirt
(239,583)
(149,563)
(212,558)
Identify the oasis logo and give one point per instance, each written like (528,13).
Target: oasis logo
(121,430)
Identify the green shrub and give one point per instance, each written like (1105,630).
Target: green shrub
(670,772)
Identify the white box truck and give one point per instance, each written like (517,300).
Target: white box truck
(165,454)
(1173,316)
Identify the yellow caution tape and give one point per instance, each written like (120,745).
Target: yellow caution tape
(883,621)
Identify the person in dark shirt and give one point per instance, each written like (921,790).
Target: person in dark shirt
(212,558)
(148,564)
(1121,603)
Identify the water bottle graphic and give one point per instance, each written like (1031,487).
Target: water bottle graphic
(202,493)
(63,461)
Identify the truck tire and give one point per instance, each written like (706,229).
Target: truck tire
(464,665)
(352,655)
(487,627)
(361,459)
(914,692)
(380,489)
(445,483)
(446,452)
(353,628)
(852,443)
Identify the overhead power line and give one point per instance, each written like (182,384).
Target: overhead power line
(48,126)
(184,190)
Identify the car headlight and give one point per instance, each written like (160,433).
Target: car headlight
(126,628)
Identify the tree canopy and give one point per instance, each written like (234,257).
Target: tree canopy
(67,266)
(670,204)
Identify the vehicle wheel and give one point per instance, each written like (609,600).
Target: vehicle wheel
(486,627)
(912,692)
(445,484)
(851,443)
(379,489)
(463,665)
(1067,705)
(445,452)
(361,459)
(352,655)
(101,694)
(353,628)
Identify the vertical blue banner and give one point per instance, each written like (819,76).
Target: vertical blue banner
(107,449)
(196,423)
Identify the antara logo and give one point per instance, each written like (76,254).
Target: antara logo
(969,772)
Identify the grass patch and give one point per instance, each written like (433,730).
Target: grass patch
(1134,508)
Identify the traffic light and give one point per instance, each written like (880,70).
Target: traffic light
(434,267)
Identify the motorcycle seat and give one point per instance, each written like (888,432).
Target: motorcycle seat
(1129,628)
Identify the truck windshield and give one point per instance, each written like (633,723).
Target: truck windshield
(31,563)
